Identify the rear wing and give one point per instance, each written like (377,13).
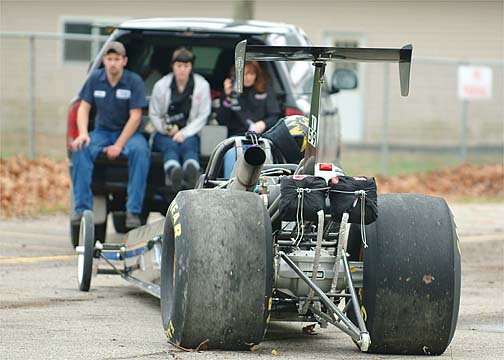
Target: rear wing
(319,56)
(244,52)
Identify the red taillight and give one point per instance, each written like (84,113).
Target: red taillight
(72,130)
(293,111)
(325,167)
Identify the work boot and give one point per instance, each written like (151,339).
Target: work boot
(191,175)
(175,176)
(132,220)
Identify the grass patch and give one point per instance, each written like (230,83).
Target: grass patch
(369,163)
(466,199)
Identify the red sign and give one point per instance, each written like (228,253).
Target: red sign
(474,82)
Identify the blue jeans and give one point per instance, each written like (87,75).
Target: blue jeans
(138,154)
(174,153)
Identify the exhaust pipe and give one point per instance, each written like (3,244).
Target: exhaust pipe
(248,169)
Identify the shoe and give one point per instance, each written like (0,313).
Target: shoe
(176,176)
(191,175)
(132,220)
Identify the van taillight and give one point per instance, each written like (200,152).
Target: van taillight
(292,111)
(72,130)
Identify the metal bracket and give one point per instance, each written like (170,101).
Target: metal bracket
(342,323)
(316,261)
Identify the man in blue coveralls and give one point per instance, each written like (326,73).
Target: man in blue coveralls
(118,95)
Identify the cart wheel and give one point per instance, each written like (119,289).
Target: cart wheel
(217,269)
(411,291)
(85,256)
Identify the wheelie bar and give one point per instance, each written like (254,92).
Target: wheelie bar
(127,254)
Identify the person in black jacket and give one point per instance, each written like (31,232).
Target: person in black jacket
(256,109)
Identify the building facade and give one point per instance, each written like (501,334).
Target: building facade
(444,35)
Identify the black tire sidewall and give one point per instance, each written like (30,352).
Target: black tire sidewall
(417,238)
(88,243)
(178,291)
(173,285)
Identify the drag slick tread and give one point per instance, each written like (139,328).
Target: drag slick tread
(411,290)
(217,270)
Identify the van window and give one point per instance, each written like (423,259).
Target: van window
(205,58)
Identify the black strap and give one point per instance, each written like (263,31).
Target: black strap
(180,103)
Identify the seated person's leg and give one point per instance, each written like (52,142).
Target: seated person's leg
(190,157)
(138,154)
(82,170)
(171,163)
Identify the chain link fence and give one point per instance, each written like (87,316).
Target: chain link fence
(433,120)
(41,72)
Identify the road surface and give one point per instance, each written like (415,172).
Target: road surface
(44,316)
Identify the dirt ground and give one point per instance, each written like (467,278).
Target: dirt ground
(31,187)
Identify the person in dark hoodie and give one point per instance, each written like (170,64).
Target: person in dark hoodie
(256,109)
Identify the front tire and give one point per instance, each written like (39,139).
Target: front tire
(217,270)
(85,258)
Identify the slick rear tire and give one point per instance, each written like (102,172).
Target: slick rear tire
(85,258)
(411,289)
(217,270)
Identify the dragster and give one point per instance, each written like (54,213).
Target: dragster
(298,242)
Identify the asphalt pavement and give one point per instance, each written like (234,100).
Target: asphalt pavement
(44,316)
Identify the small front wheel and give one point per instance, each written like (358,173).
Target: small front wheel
(85,251)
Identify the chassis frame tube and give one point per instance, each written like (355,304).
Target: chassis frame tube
(316,261)
(355,301)
(150,288)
